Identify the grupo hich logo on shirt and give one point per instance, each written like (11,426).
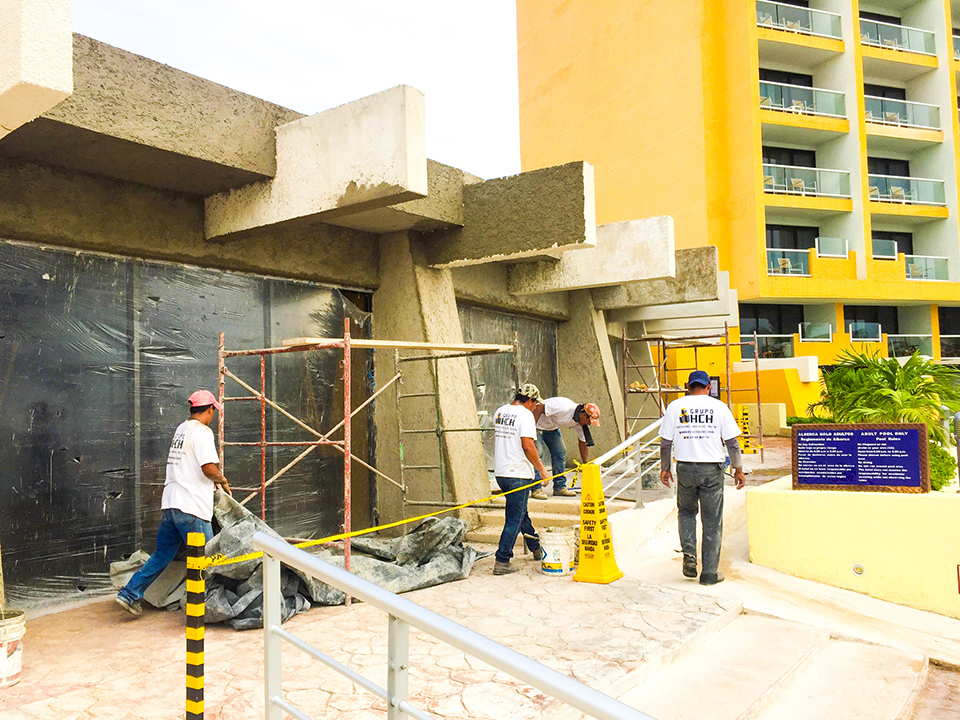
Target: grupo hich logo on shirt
(697,415)
(506,420)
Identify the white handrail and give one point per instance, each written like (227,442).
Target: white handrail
(628,442)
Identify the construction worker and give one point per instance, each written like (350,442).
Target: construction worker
(560,412)
(193,473)
(696,428)
(515,459)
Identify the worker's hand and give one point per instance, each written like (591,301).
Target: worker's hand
(224,485)
(546,478)
(738,478)
(666,477)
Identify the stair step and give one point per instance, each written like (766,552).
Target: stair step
(539,520)
(849,679)
(563,505)
(727,676)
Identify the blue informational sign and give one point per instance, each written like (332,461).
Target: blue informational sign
(864,457)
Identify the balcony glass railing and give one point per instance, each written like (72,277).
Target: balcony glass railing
(897,37)
(950,346)
(782,261)
(770,346)
(816,332)
(831,247)
(798,19)
(956,47)
(806,181)
(900,346)
(926,267)
(864,331)
(799,99)
(914,191)
(884,249)
(901,113)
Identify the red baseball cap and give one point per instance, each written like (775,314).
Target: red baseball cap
(204,397)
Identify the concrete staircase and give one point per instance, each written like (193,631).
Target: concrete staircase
(554,512)
(763,668)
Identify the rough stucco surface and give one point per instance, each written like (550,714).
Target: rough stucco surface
(520,216)
(59,207)
(35,59)
(625,252)
(486,285)
(416,303)
(587,373)
(368,153)
(696,280)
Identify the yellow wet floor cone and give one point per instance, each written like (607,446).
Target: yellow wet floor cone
(596,561)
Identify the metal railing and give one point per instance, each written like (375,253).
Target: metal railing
(798,19)
(832,247)
(785,261)
(815,332)
(800,99)
(865,331)
(899,346)
(902,113)
(897,37)
(797,180)
(402,614)
(950,346)
(770,346)
(926,267)
(636,458)
(907,190)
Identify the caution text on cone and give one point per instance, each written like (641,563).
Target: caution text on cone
(596,561)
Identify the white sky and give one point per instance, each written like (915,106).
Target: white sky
(311,55)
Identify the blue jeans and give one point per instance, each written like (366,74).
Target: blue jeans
(700,486)
(174,526)
(558,456)
(516,520)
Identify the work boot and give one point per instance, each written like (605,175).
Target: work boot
(689,566)
(711,578)
(539,494)
(565,492)
(537,553)
(131,607)
(504,568)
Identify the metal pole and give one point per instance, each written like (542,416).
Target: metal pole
(623,374)
(398,662)
(263,438)
(756,367)
(272,657)
(221,370)
(440,459)
(726,346)
(196,605)
(346,446)
(956,440)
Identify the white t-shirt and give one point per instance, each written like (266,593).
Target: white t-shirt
(512,422)
(186,487)
(558,413)
(698,425)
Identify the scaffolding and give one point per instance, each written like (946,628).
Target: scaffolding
(347,344)
(660,392)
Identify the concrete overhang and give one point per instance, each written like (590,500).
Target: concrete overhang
(134,119)
(36,62)
(697,280)
(691,326)
(369,153)
(523,216)
(625,252)
(723,307)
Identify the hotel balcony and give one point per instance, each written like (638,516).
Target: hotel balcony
(798,115)
(926,267)
(770,346)
(802,100)
(791,262)
(865,332)
(903,346)
(906,197)
(901,113)
(896,51)
(897,37)
(807,181)
(815,332)
(799,20)
(797,36)
(949,346)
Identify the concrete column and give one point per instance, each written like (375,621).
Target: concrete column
(587,373)
(417,303)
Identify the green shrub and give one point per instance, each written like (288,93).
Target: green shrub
(943,466)
(806,420)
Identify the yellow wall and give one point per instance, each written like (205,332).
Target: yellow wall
(777,386)
(821,535)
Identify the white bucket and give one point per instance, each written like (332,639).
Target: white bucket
(559,552)
(12,629)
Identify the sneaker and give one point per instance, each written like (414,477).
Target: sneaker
(565,492)
(131,607)
(689,566)
(711,578)
(504,568)
(538,553)
(539,494)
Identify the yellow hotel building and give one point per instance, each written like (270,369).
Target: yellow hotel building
(813,142)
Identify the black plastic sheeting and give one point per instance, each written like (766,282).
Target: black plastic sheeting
(97,357)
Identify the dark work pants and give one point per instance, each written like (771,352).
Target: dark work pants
(700,486)
(516,520)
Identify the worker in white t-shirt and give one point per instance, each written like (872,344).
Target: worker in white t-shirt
(560,412)
(515,458)
(193,472)
(695,429)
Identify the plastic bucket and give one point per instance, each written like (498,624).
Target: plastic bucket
(559,554)
(12,628)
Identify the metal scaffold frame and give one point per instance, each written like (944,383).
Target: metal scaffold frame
(347,344)
(660,366)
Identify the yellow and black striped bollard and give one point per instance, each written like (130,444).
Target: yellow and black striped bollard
(196,591)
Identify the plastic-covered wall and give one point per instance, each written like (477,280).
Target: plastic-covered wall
(97,357)
(496,377)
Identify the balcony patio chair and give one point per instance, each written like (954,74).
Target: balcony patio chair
(786,267)
(874,193)
(868,116)
(890,43)
(765,101)
(793,25)
(892,117)
(765,19)
(798,186)
(897,194)
(799,106)
(770,184)
(915,272)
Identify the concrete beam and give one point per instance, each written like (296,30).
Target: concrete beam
(625,252)
(691,326)
(722,307)
(522,216)
(365,154)
(696,280)
(36,59)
